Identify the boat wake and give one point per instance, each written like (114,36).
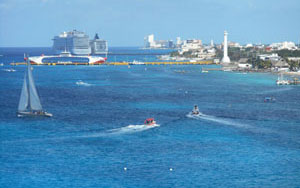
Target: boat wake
(131,129)
(277,90)
(227,121)
(9,70)
(218,120)
(81,83)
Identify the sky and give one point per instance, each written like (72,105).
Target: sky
(33,23)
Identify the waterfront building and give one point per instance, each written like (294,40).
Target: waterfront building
(233,44)
(178,42)
(149,42)
(272,57)
(225,59)
(249,45)
(212,43)
(164,44)
(191,44)
(243,64)
(283,45)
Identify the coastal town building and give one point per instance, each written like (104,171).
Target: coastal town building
(178,42)
(191,50)
(249,45)
(191,44)
(283,46)
(234,44)
(243,64)
(297,59)
(149,42)
(272,57)
(279,66)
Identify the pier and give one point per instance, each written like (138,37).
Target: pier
(209,62)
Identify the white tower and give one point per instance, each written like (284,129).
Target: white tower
(225,57)
(149,41)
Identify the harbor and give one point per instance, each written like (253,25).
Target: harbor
(149,94)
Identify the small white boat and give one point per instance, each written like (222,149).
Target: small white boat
(269,99)
(281,81)
(81,83)
(136,63)
(29,104)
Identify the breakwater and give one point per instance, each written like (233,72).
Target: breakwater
(124,63)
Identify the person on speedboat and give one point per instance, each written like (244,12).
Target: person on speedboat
(195,110)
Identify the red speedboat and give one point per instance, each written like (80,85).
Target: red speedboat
(150,122)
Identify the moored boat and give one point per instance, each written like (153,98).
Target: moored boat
(281,81)
(136,63)
(269,99)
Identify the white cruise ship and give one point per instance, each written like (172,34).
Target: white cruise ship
(98,46)
(78,43)
(74,41)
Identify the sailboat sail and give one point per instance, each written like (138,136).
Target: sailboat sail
(29,104)
(23,103)
(35,103)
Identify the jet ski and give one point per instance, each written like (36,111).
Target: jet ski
(195,111)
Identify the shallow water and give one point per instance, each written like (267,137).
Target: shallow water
(97,131)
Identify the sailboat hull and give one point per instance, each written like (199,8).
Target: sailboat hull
(34,114)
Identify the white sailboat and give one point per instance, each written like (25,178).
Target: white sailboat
(29,104)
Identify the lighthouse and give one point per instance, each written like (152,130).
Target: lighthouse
(225,59)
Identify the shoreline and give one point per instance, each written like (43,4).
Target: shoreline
(292,73)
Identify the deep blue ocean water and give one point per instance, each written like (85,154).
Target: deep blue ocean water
(96,136)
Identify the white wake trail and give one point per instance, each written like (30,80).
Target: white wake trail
(131,129)
(218,120)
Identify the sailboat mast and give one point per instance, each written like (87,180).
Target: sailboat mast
(28,89)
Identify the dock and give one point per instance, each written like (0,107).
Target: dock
(295,81)
(122,63)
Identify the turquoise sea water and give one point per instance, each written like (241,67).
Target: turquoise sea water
(96,137)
